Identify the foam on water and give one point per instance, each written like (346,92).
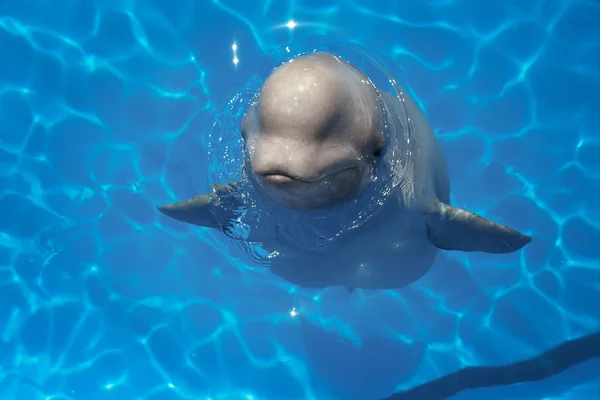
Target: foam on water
(105,111)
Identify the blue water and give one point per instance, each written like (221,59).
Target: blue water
(105,111)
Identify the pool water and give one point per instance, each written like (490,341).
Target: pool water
(105,111)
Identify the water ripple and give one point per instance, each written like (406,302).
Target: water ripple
(105,111)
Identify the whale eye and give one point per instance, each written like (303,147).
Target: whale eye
(379,145)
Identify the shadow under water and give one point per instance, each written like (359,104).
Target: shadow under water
(545,365)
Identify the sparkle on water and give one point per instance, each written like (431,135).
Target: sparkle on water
(105,111)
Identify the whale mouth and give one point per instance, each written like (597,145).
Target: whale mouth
(283,178)
(279,179)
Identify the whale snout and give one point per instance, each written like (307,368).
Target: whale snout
(311,192)
(282,181)
(288,180)
(278,179)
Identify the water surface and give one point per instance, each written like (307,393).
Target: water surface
(105,111)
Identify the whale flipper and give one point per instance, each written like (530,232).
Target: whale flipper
(213,210)
(452,228)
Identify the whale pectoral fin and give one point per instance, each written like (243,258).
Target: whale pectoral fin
(195,211)
(213,210)
(452,228)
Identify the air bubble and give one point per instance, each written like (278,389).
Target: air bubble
(322,241)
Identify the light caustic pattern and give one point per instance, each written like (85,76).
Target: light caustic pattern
(105,109)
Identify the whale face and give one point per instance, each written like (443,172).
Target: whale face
(315,133)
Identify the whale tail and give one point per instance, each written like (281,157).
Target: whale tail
(452,228)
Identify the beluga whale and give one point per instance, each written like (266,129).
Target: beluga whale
(348,182)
